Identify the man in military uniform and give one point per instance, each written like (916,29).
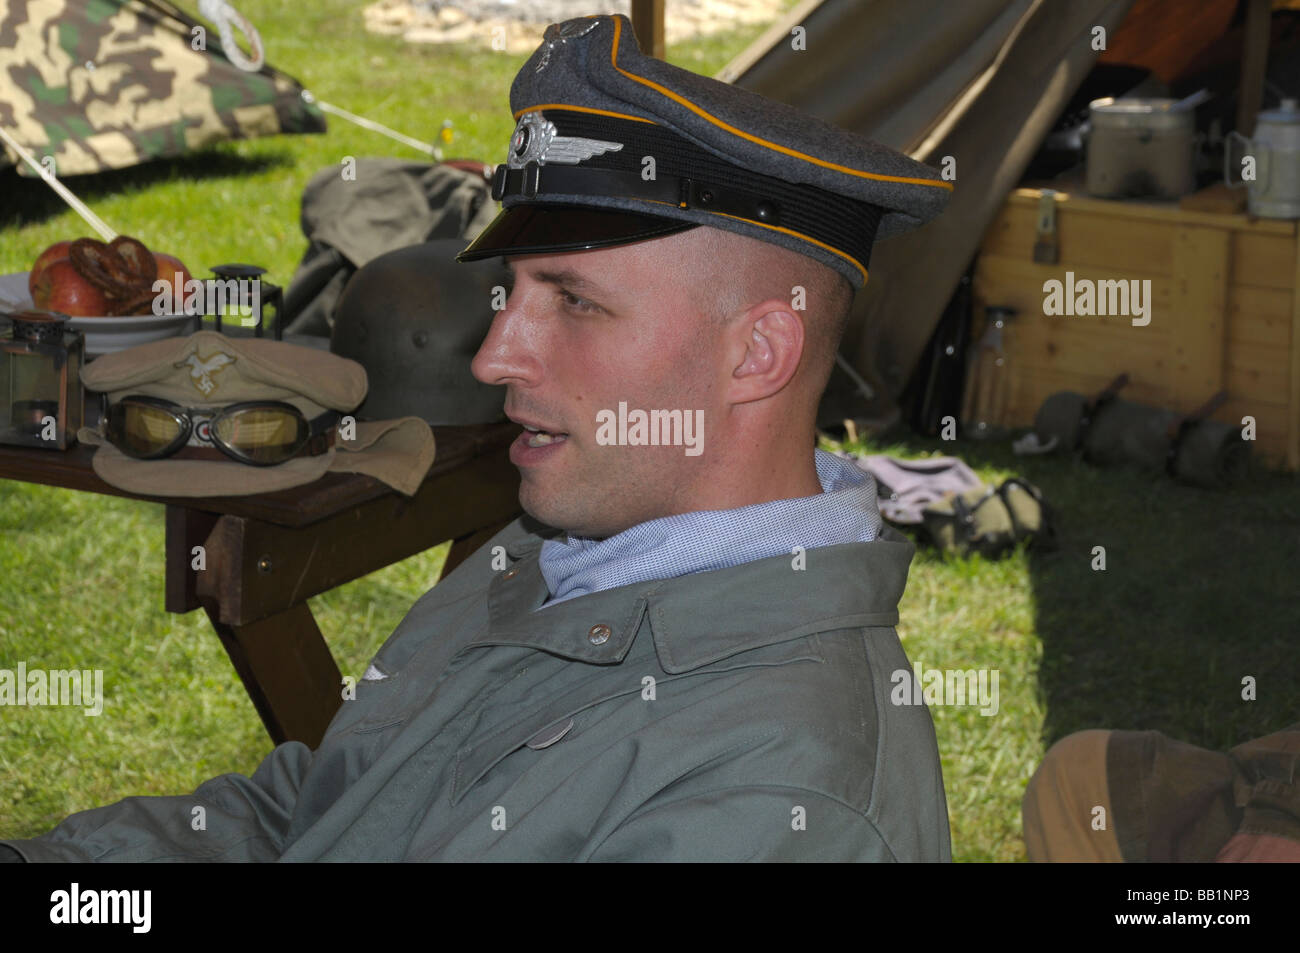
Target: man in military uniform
(686,650)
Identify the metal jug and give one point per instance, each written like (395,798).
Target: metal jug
(1275,190)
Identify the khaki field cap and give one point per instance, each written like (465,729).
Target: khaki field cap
(209,371)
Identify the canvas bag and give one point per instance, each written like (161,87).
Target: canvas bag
(991,520)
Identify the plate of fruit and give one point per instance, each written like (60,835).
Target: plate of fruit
(109,290)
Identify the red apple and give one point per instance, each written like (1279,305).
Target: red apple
(61,287)
(171,268)
(44,260)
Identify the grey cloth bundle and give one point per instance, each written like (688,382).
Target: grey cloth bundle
(1110,431)
(992,520)
(389,204)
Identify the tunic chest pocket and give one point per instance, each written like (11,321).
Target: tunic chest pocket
(382,703)
(543,732)
(550,735)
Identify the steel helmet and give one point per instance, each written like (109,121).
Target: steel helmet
(414,319)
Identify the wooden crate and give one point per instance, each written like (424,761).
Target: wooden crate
(1225,292)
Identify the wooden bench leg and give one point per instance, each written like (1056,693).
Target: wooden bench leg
(287,670)
(465,546)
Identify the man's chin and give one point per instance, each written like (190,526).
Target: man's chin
(553,513)
(545,510)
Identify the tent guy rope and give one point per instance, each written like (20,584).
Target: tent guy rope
(365,123)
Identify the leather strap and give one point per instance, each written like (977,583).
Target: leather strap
(1097,403)
(314,447)
(609,183)
(1179,428)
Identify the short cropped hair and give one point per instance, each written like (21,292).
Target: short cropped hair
(737,272)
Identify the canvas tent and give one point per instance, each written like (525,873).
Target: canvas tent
(981,81)
(105,84)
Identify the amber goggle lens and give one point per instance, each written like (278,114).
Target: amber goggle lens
(261,434)
(144,430)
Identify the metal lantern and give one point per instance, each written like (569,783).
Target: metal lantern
(40,380)
(270,298)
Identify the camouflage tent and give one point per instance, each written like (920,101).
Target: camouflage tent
(104,84)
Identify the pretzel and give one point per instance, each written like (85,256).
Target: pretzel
(140,262)
(98,263)
(139,304)
(105,268)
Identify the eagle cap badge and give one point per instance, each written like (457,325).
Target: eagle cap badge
(536,140)
(202,370)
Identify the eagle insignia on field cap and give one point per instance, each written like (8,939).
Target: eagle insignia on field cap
(536,140)
(202,371)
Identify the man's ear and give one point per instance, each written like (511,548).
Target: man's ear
(769,341)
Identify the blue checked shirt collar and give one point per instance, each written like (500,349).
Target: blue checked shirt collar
(671,546)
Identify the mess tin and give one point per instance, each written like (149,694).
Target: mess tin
(1141,146)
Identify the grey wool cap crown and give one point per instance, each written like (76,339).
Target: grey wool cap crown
(614,146)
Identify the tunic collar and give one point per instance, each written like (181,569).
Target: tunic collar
(703,617)
(845,511)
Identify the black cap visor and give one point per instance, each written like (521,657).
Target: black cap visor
(541,229)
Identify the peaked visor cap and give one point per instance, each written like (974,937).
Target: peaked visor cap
(612,146)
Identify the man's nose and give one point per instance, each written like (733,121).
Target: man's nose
(508,355)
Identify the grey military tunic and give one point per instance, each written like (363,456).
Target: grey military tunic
(736,714)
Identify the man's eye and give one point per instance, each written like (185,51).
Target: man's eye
(574,303)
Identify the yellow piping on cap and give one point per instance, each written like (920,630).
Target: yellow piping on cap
(776,228)
(613,61)
(585,109)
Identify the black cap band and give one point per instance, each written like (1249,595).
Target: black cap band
(687,177)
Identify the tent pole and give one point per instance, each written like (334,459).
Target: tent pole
(78,206)
(1254,65)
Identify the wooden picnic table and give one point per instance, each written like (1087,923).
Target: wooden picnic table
(267,554)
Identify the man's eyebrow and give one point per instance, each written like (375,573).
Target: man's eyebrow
(565,278)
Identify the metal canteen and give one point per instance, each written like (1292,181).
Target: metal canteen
(1275,190)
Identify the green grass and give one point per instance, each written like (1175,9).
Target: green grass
(1199,592)
(1200,588)
(83,589)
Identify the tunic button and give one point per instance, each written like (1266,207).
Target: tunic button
(510,573)
(599,634)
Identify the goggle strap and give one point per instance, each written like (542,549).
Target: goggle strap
(314,447)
